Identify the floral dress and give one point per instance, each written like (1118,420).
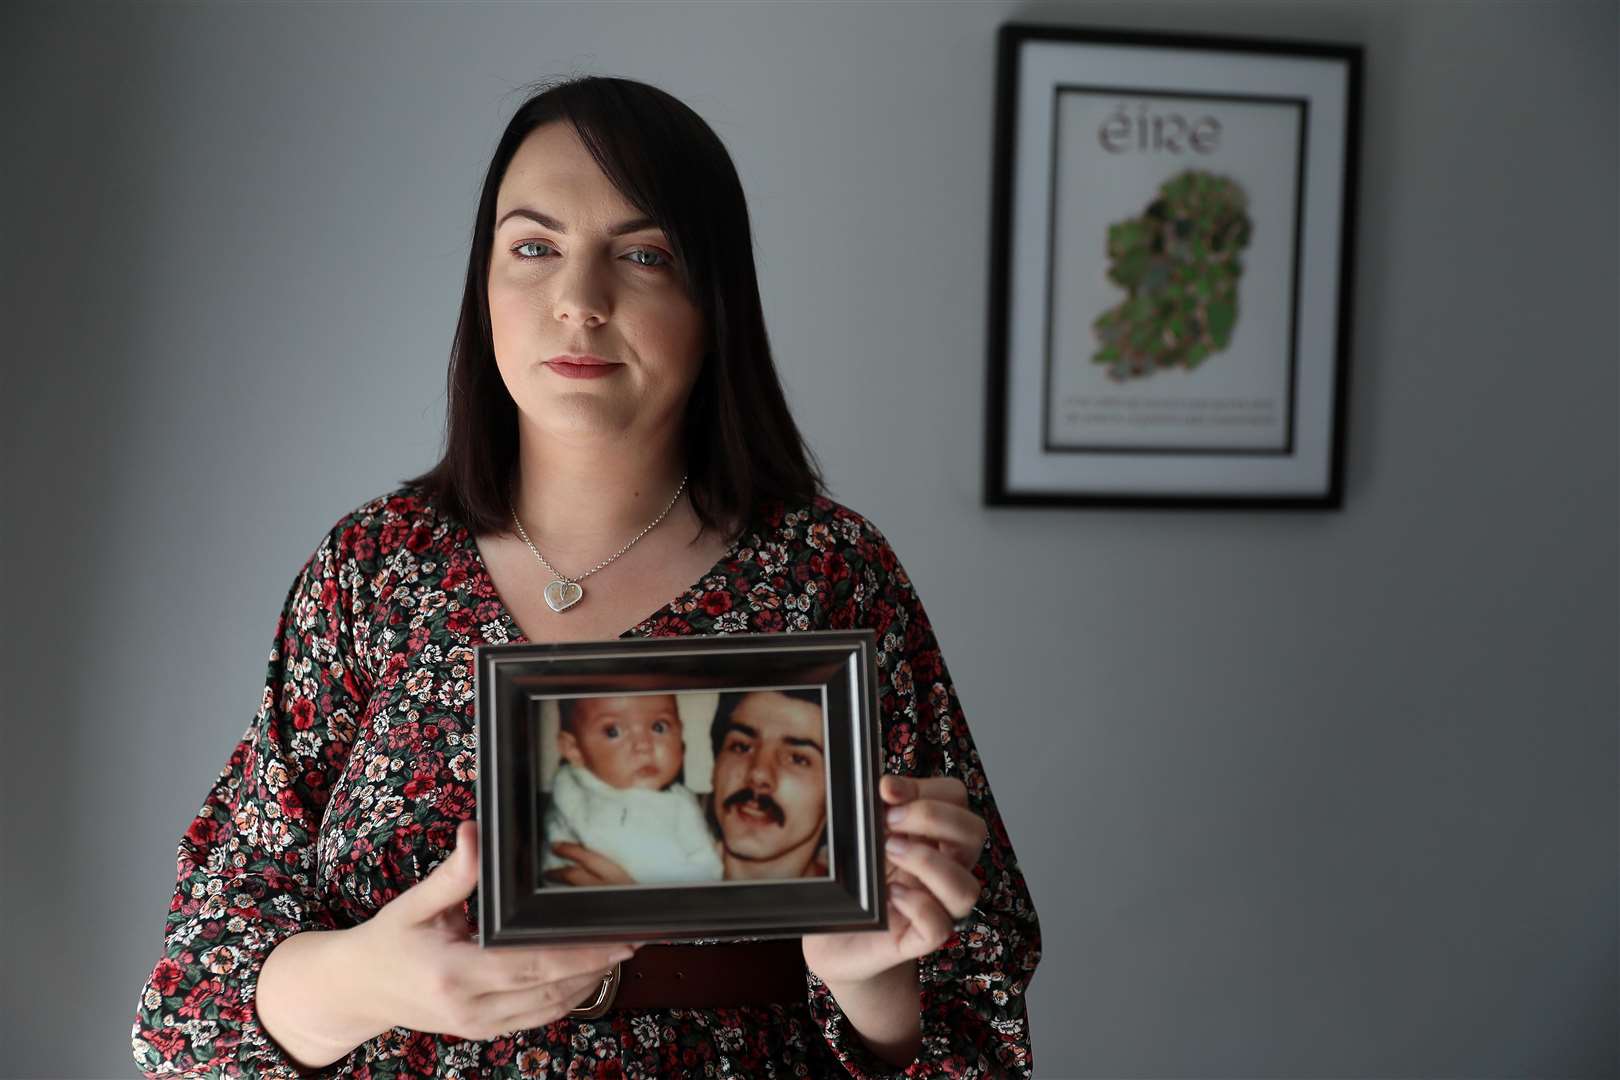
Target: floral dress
(347,786)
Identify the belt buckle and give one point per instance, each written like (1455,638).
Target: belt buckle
(604,996)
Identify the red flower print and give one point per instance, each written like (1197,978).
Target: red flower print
(166,977)
(167,1041)
(235,1013)
(716,603)
(421,1053)
(199,996)
(456,802)
(421,537)
(670,626)
(303,713)
(391,535)
(441,833)
(202,832)
(842,617)
(461,621)
(419,785)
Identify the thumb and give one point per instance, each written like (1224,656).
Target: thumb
(448,883)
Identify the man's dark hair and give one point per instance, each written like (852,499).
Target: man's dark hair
(742,445)
(729,701)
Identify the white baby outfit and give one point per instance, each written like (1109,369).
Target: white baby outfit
(657,836)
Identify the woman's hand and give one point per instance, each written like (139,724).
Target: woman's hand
(591,868)
(424,970)
(934,841)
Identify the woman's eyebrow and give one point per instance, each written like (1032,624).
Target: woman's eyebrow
(549,222)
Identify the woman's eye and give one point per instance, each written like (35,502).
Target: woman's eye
(654,254)
(661,261)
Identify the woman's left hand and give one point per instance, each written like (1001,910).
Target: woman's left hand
(934,840)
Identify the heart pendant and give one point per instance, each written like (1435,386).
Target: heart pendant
(562,595)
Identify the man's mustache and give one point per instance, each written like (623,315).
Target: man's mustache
(762,802)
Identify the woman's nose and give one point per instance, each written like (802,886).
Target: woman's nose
(581,298)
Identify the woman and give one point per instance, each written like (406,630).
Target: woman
(615,417)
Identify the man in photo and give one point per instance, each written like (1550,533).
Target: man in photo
(769,804)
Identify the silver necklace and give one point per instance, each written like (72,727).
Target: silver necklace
(564,592)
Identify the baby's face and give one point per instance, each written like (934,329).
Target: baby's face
(628,742)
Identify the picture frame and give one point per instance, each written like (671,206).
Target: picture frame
(764,699)
(1172,258)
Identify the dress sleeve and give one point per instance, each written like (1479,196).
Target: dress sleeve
(974,1020)
(246,865)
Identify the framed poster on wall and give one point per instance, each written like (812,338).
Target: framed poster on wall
(1170,282)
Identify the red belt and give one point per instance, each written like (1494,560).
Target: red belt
(703,977)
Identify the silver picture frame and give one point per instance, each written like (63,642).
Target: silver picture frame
(514,902)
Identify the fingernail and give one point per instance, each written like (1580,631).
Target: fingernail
(897,846)
(895,815)
(622,955)
(899,890)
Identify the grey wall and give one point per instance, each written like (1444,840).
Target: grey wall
(1303,795)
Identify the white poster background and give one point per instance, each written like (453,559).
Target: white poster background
(1239,396)
(1045,65)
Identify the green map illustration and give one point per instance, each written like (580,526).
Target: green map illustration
(1178,264)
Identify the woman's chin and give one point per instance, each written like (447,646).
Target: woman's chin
(581,418)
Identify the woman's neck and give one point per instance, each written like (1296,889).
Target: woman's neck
(586,501)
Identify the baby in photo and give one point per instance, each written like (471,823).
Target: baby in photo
(618,791)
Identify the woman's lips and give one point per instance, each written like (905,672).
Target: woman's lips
(581,371)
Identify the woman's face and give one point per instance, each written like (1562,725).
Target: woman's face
(578,285)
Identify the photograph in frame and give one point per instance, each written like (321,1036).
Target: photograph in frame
(731,781)
(1170,296)
(668,784)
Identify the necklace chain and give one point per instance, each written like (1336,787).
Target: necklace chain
(558,574)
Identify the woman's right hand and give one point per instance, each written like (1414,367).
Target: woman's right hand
(426,971)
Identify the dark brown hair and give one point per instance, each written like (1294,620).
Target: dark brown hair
(742,446)
(731,699)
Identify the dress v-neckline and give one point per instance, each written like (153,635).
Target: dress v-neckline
(514,632)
